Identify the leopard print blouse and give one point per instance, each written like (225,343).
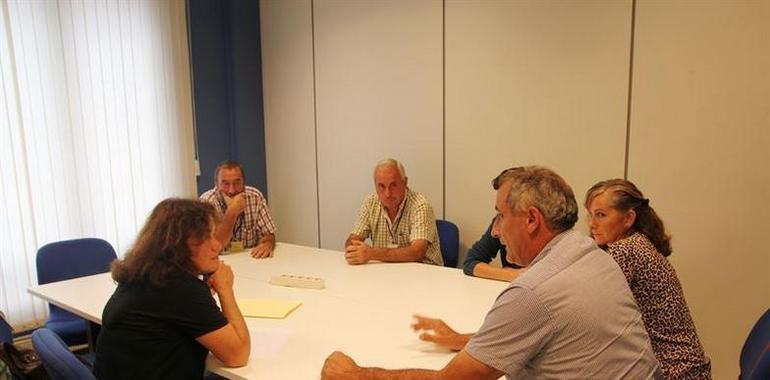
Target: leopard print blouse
(659,295)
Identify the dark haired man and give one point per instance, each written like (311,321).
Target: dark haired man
(246,221)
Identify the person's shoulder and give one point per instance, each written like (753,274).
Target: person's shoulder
(641,240)
(415,194)
(418,198)
(370,199)
(518,291)
(208,195)
(176,283)
(637,246)
(186,281)
(369,206)
(254,197)
(571,246)
(574,238)
(569,254)
(251,190)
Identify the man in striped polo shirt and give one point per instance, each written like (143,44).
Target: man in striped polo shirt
(571,315)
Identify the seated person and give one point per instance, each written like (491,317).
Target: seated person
(399,221)
(480,255)
(163,320)
(571,315)
(246,221)
(624,224)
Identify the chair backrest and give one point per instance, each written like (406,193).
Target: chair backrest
(449,237)
(68,259)
(755,355)
(6,331)
(59,361)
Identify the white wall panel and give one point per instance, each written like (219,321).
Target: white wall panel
(287,74)
(699,150)
(532,83)
(379,94)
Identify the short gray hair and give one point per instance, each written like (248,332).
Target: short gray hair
(390,162)
(542,188)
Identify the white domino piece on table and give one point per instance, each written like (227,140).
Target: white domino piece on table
(293,281)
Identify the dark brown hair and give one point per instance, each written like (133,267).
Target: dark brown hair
(228,164)
(161,248)
(625,197)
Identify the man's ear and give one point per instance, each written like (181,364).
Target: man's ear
(535,219)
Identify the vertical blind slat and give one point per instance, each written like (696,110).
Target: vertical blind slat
(91,128)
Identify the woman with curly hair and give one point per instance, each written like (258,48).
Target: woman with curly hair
(162,320)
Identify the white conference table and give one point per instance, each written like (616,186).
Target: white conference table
(364,311)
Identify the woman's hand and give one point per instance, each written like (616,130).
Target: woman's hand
(222,279)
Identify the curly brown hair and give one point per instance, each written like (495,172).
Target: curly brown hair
(626,196)
(161,250)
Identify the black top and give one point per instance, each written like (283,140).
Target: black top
(149,332)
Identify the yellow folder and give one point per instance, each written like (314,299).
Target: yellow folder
(266,308)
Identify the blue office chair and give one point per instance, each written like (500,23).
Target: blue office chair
(58,360)
(755,355)
(449,237)
(71,259)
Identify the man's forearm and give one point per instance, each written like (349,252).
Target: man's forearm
(224,230)
(462,341)
(397,374)
(234,316)
(492,272)
(461,367)
(401,254)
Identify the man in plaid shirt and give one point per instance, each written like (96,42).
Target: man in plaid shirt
(399,222)
(245,216)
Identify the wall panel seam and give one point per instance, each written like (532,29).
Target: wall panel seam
(630,89)
(315,126)
(443,109)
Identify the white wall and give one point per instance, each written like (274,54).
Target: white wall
(378,95)
(700,134)
(522,92)
(534,83)
(290,140)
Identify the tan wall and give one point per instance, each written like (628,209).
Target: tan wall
(521,92)
(700,134)
(378,95)
(533,82)
(287,77)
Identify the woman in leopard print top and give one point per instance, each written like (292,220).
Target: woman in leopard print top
(623,223)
